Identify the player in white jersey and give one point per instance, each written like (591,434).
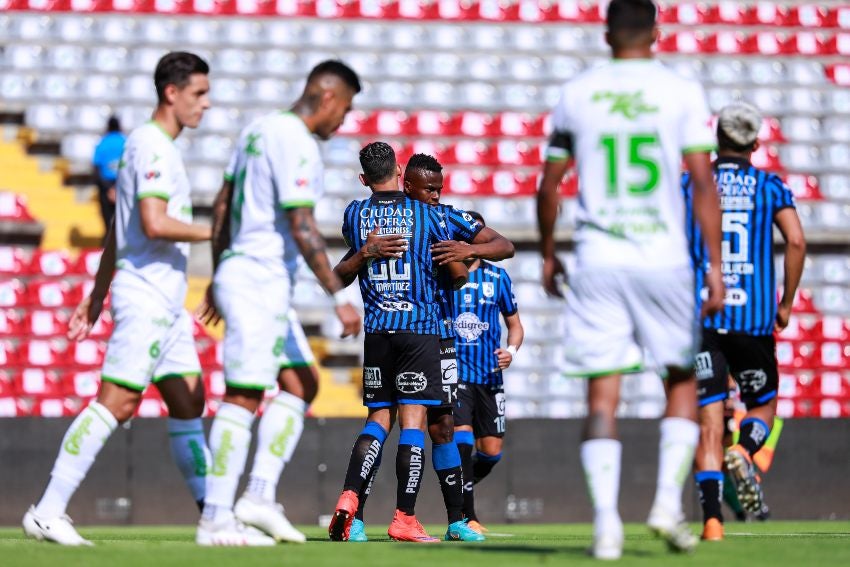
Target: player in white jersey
(628,124)
(152,340)
(264,222)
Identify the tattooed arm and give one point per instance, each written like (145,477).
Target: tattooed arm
(389,246)
(306,234)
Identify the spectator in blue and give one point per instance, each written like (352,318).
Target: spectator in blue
(107,156)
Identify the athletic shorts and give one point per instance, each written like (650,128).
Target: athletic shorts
(448,370)
(150,342)
(750,359)
(296,350)
(481,406)
(254,300)
(401,368)
(613,315)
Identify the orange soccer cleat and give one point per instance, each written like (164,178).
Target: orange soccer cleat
(346,507)
(712,530)
(408,528)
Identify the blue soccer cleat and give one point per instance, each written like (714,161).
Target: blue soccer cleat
(460,531)
(358,531)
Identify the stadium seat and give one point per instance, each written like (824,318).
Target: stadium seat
(51,293)
(13,293)
(51,263)
(13,208)
(39,382)
(13,261)
(81,383)
(86,353)
(44,323)
(57,407)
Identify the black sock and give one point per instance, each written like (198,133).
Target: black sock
(710,485)
(365,452)
(367,487)
(465,450)
(446,460)
(409,469)
(482,464)
(753,434)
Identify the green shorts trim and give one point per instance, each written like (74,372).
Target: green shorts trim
(298,205)
(163,196)
(175,375)
(249,386)
(600,373)
(705,148)
(181,433)
(124,383)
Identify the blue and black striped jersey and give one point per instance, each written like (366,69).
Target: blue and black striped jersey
(399,294)
(749,201)
(477,307)
(462,227)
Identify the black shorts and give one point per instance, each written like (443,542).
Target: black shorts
(401,368)
(751,360)
(482,407)
(448,371)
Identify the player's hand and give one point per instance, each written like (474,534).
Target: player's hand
(447,251)
(553,271)
(350,319)
(84,318)
(783,315)
(716,294)
(504,357)
(384,246)
(207,313)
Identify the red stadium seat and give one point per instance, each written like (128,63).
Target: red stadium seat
(457,10)
(13,293)
(11,323)
(467,152)
(835,328)
(81,383)
(9,355)
(102,328)
(764,43)
(838,17)
(803,43)
(13,407)
(807,15)
(834,385)
(839,73)
(465,182)
(41,353)
(833,354)
(767,157)
(509,183)
(767,14)
(771,131)
(354,123)
(511,152)
(87,262)
(199,331)
(805,187)
(50,293)
(803,302)
(520,124)
(211,355)
(14,208)
(429,123)
(472,124)
(44,323)
(13,261)
(88,353)
(152,407)
(57,407)
(389,122)
(728,42)
(214,384)
(39,382)
(684,42)
(839,44)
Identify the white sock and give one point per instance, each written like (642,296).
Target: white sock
(190,452)
(679,437)
(80,446)
(601,461)
(277,436)
(230,438)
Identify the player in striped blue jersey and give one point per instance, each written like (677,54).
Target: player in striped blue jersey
(480,409)
(423,181)
(739,340)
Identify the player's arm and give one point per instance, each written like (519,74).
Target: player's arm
(515,336)
(389,246)
(89,309)
(707,212)
(795,255)
(548,203)
(488,244)
(220,222)
(312,247)
(156,223)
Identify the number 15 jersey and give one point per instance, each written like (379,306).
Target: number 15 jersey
(628,123)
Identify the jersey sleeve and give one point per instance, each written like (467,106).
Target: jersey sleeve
(153,174)
(507,299)
(461,225)
(561,142)
(296,170)
(438,226)
(781,195)
(347,225)
(696,134)
(230,170)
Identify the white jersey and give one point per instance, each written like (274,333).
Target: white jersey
(628,124)
(152,167)
(276,166)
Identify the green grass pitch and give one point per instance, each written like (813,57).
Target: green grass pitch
(772,544)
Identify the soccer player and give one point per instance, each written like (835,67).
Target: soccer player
(401,362)
(271,186)
(152,340)
(739,339)
(628,124)
(423,181)
(479,414)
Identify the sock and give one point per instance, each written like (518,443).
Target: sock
(710,485)
(277,436)
(364,455)
(446,460)
(230,438)
(189,450)
(754,433)
(367,487)
(408,468)
(482,464)
(80,446)
(465,442)
(601,459)
(678,442)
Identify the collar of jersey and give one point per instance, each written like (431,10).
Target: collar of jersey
(732,159)
(161,129)
(387,194)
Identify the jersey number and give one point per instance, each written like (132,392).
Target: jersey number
(735,223)
(398,271)
(637,159)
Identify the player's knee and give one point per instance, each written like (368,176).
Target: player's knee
(441,425)
(600,424)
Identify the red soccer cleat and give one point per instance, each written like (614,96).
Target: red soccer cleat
(408,528)
(346,507)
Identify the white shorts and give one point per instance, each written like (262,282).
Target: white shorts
(150,341)
(614,315)
(296,351)
(254,300)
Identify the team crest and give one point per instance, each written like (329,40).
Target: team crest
(488,289)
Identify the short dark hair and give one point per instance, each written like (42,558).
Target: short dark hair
(113,124)
(338,69)
(724,142)
(378,162)
(631,15)
(176,68)
(477,216)
(423,162)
